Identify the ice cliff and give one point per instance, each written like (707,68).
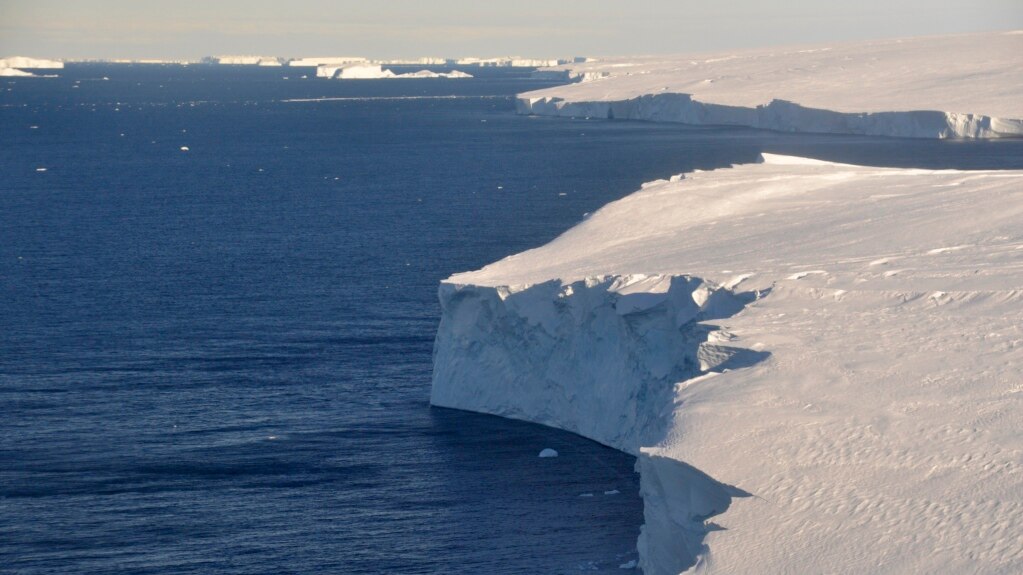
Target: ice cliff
(816,364)
(557,353)
(935,87)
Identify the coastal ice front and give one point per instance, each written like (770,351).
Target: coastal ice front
(933,87)
(818,365)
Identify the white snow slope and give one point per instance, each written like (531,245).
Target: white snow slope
(932,87)
(818,365)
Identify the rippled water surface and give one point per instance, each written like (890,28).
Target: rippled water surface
(218,360)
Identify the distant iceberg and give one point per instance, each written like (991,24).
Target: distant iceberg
(336,61)
(9,72)
(430,74)
(15,66)
(247,60)
(21,62)
(376,72)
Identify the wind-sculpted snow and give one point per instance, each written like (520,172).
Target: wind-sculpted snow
(937,87)
(817,364)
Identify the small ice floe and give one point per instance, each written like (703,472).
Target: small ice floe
(271,437)
(630,565)
(548,452)
(612,492)
(585,495)
(33,127)
(184,148)
(40,169)
(562,194)
(500,187)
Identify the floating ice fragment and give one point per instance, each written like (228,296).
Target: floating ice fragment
(184,148)
(585,495)
(548,452)
(612,492)
(630,565)
(40,169)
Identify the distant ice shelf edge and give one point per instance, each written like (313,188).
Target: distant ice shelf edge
(778,115)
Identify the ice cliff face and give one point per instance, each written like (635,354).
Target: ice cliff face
(778,115)
(600,357)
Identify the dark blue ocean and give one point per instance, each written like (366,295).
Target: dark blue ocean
(218,360)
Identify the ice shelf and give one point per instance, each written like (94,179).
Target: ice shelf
(816,364)
(934,87)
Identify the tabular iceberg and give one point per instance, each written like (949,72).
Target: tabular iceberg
(816,364)
(16,66)
(377,72)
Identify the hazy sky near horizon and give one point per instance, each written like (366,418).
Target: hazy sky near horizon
(449,28)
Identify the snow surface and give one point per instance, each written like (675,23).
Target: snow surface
(932,87)
(818,365)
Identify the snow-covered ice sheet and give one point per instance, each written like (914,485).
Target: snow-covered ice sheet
(931,87)
(819,365)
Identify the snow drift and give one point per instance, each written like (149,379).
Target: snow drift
(816,364)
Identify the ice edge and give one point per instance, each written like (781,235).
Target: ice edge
(600,357)
(778,115)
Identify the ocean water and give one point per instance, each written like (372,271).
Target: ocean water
(218,360)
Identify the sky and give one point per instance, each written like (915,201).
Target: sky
(189,29)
